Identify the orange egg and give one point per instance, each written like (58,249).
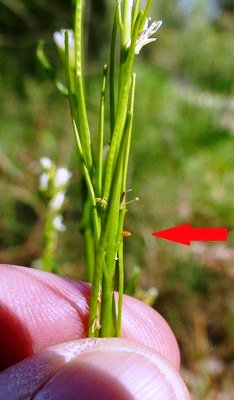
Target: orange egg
(126,234)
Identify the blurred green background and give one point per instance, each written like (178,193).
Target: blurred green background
(182,164)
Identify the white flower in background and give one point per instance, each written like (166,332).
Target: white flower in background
(53,183)
(57,201)
(46,163)
(58,223)
(145,36)
(44,181)
(62,176)
(59,39)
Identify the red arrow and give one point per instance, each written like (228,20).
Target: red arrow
(184,234)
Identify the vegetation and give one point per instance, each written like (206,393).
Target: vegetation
(181,168)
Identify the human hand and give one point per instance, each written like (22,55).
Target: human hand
(44,353)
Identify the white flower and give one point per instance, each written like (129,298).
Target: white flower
(58,223)
(62,177)
(46,163)
(44,181)
(57,201)
(145,36)
(59,39)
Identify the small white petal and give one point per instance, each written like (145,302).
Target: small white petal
(62,177)
(44,181)
(57,201)
(59,39)
(46,162)
(154,27)
(58,223)
(145,36)
(142,44)
(147,21)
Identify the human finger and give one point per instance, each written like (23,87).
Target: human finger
(97,369)
(39,309)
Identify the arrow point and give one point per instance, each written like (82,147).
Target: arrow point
(179,234)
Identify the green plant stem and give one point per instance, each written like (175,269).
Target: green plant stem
(96,291)
(99,166)
(128,133)
(96,221)
(106,253)
(127,22)
(121,112)
(107,320)
(105,205)
(79,76)
(115,214)
(145,14)
(136,10)
(89,254)
(120,288)
(119,13)
(110,254)
(112,74)
(86,173)
(112,227)
(89,245)
(50,238)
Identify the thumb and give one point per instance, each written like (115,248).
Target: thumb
(97,369)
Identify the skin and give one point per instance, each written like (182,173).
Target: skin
(44,352)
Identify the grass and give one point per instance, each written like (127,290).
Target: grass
(181,169)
